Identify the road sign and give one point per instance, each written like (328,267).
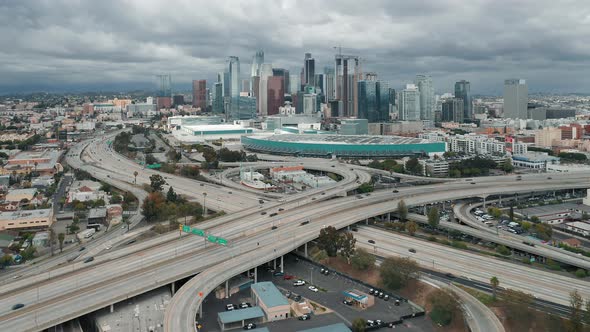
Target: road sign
(212,238)
(197,231)
(222,241)
(186,229)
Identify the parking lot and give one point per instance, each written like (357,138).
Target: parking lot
(329,296)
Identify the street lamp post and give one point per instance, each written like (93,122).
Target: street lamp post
(204,205)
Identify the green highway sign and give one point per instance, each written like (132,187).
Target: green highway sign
(200,232)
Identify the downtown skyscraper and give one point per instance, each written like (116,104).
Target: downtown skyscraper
(257,61)
(200,94)
(234,77)
(346,69)
(462,90)
(516,97)
(265,73)
(409,103)
(308,70)
(424,84)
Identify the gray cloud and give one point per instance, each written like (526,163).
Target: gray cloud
(85,43)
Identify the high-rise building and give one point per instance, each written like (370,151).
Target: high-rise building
(373,100)
(223,78)
(329,81)
(257,61)
(275,94)
(246,86)
(294,84)
(200,94)
(265,74)
(452,110)
(308,70)
(234,76)
(284,73)
(177,100)
(310,103)
(409,103)
(424,84)
(218,98)
(346,75)
(256,91)
(462,90)
(516,97)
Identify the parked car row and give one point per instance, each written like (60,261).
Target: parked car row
(243,305)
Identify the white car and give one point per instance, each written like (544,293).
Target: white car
(313,289)
(299,283)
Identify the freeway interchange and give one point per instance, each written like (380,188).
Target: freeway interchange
(121,274)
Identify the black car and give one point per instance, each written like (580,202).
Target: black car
(386,297)
(281,209)
(249,326)
(89,259)
(17,306)
(396,191)
(263,212)
(305,317)
(274,227)
(305,223)
(347,302)
(412,250)
(371,291)
(372,241)
(82,249)
(272,214)
(132,242)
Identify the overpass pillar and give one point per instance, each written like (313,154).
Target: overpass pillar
(586,200)
(173,286)
(227,289)
(367,221)
(389,216)
(112,308)
(256,274)
(484,202)
(282,265)
(201,310)
(305,249)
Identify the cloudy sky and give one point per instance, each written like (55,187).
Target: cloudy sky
(97,44)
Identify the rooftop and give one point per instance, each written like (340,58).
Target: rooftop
(100,212)
(579,224)
(14,215)
(269,294)
(240,315)
(342,139)
(210,127)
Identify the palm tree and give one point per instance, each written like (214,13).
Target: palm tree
(495,283)
(60,238)
(36,163)
(135,173)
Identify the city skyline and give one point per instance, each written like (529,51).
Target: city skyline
(64,46)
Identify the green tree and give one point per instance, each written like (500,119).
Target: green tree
(495,283)
(157,182)
(396,272)
(116,199)
(171,195)
(61,237)
(319,255)
(502,250)
(494,212)
(535,219)
(526,226)
(507,166)
(359,325)
(443,307)
(347,246)
(433,217)
(365,188)
(576,312)
(149,160)
(402,210)
(362,260)
(29,253)
(411,227)
(5,260)
(329,240)
(544,231)
(581,273)
(153,205)
(413,166)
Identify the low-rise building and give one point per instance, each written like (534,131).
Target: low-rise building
(86,190)
(534,160)
(578,227)
(27,219)
(97,216)
(45,162)
(436,168)
(272,302)
(18,195)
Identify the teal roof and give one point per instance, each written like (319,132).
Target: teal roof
(239,315)
(269,294)
(339,327)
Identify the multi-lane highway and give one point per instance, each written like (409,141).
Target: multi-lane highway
(540,283)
